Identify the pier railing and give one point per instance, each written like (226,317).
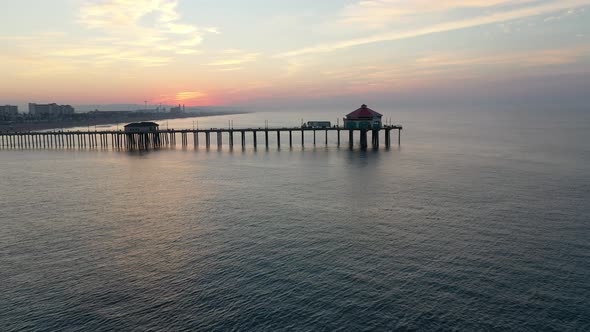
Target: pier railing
(120,140)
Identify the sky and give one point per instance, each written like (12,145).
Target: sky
(295,53)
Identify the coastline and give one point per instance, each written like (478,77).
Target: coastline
(123,119)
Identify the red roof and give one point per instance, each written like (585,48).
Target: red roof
(364,112)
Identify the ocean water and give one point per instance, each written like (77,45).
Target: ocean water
(480,220)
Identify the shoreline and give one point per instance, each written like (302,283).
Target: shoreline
(39,126)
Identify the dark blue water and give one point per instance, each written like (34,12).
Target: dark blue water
(479,221)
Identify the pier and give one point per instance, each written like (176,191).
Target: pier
(121,140)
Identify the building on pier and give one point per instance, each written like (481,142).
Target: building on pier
(363,118)
(141,127)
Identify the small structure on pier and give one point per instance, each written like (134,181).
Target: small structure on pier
(142,135)
(141,127)
(363,118)
(317,124)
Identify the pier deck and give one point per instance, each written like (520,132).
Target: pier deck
(165,138)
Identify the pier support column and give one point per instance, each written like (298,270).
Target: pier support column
(266,137)
(219,139)
(290,138)
(326,137)
(278,138)
(207,139)
(314,137)
(255,137)
(399,136)
(351,138)
(302,137)
(231,138)
(364,138)
(375,138)
(243,139)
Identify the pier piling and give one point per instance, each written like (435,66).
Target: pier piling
(125,140)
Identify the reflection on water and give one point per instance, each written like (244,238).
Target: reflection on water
(468,225)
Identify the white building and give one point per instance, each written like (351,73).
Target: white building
(50,110)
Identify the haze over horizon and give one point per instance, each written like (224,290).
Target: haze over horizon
(296,53)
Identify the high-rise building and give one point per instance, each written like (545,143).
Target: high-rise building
(50,110)
(8,112)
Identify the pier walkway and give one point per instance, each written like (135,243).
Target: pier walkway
(121,140)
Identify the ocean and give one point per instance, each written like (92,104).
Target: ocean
(478,221)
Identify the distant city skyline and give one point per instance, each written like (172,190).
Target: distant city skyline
(295,53)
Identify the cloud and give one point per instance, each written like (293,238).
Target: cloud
(379,13)
(497,17)
(562,16)
(148,24)
(535,58)
(138,33)
(117,14)
(190,95)
(441,68)
(183,97)
(232,59)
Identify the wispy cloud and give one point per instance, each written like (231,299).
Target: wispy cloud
(136,33)
(535,58)
(564,15)
(182,97)
(152,24)
(379,13)
(497,17)
(233,59)
(440,68)
(190,95)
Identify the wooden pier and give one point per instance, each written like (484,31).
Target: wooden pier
(121,140)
